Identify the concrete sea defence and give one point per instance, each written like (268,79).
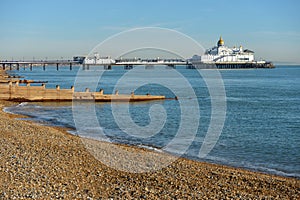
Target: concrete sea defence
(11,90)
(14,92)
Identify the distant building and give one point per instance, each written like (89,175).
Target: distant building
(224,57)
(222,53)
(97,60)
(79,59)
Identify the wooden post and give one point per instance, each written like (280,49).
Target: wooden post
(72,88)
(28,90)
(70,66)
(10,89)
(57,92)
(56,66)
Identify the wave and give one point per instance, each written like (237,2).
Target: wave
(8,110)
(234,99)
(256,167)
(22,104)
(149,147)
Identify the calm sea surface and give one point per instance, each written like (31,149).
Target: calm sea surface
(261,130)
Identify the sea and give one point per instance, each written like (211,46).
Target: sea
(261,130)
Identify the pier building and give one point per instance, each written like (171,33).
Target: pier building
(221,56)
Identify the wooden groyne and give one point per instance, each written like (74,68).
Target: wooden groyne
(14,92)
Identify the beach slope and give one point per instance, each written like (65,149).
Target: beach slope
(41,162)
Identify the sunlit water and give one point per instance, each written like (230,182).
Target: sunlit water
(261,131)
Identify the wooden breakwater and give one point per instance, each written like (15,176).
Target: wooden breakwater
(14,92)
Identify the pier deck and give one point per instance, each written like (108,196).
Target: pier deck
(130,63)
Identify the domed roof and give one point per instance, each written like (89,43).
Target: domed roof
(220,42)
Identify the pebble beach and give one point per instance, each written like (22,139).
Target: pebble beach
(42,162)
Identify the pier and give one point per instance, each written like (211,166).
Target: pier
(128,64)
(234,58)
(217,57)
(33,63)
(107,65)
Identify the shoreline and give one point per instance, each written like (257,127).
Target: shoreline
(67,170)
(70,130)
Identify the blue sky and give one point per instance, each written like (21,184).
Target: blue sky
(63,28)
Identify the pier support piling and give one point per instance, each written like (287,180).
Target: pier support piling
(171,67)
(149,67)
(107,67)
(128,67)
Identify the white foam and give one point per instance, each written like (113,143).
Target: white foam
(22,104)
(149,148)
(6,109)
